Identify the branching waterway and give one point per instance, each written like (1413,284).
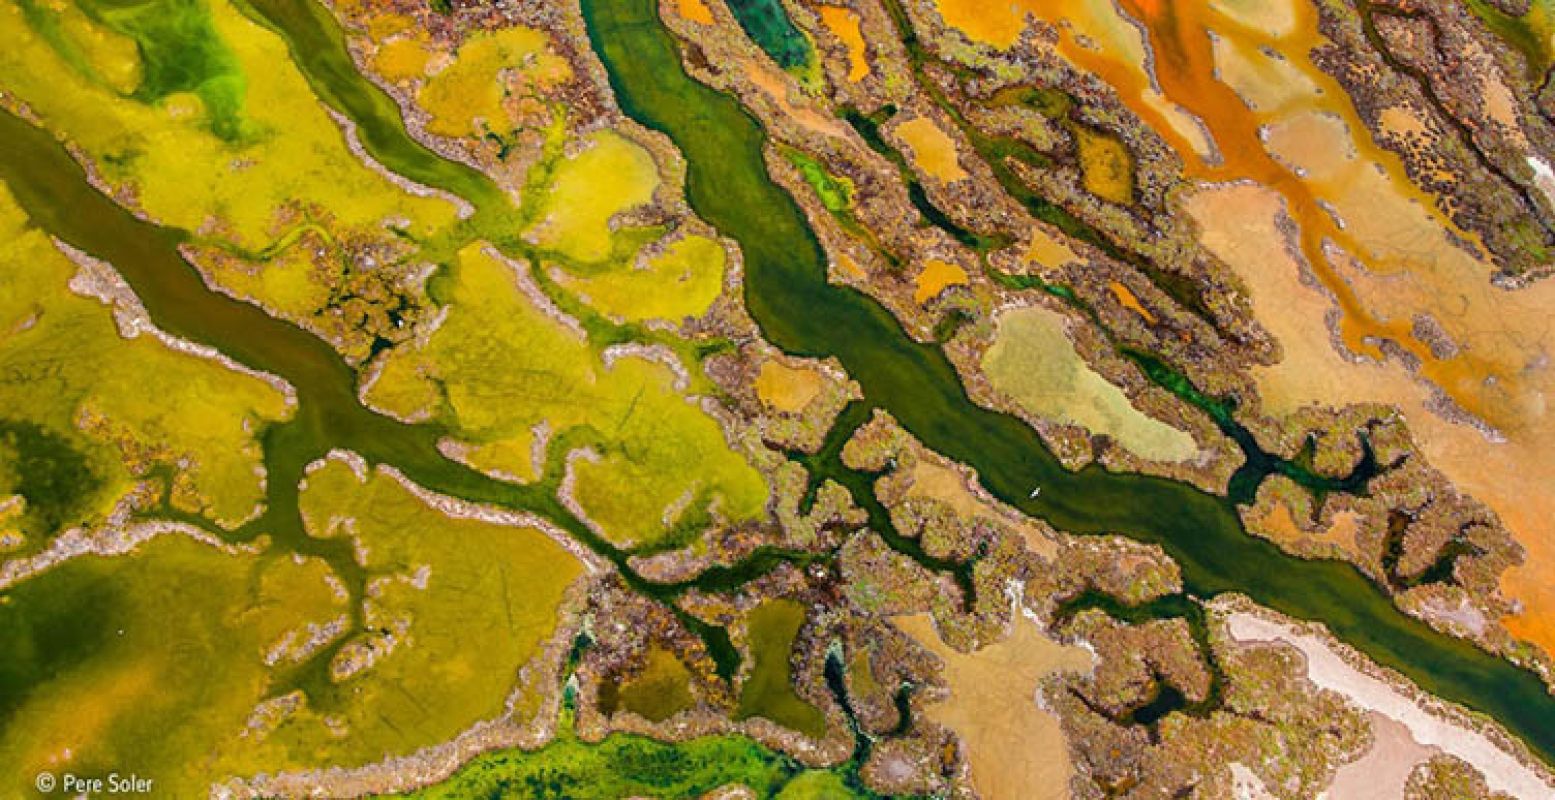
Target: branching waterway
(788,295)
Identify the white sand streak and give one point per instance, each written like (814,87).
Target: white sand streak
(1326,669)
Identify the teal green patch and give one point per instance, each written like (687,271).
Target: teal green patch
(769,27)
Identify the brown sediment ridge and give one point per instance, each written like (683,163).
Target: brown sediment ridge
(116,537)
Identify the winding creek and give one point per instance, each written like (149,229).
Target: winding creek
(787,293)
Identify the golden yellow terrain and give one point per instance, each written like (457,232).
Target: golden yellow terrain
(933,150)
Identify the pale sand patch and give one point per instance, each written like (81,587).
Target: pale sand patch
(1246,785)
(1016,748)
(1543,178)
(945,485)
(774,84)
(844,24)
(1313,143)
(1273,18)
(1327,670)
(1383,772)
(1511,475)
(936,277)
(787,388)
(1464,614)
(1033,362)
(1268,84)
(932,149)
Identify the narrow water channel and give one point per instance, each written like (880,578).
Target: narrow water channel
(787,292)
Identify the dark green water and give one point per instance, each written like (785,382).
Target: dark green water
(787,293)
(50,186)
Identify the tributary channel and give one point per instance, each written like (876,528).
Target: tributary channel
(788,294)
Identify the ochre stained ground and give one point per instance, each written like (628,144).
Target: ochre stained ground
(1016,749)
(1277,121)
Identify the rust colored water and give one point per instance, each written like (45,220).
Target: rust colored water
(1184,61)
(1272,114)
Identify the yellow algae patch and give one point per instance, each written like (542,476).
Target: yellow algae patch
(768,690)
(96,50)
(933,150)
(1106,167)
(683,281)
(844,24)
(694,10)
(1033,362)
(286,151)
(153,659)
(786,388)
(512,458)
(1127,299)
(441,583)
(661,690)
(402,59)
(1016,749)
(613,174)
(466,98)
(99,409)
(382,26)
(999,23)
(936,277)
(500,364)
